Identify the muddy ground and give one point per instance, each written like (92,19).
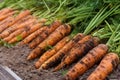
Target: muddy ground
(15,58)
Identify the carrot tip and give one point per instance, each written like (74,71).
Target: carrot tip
(37,65)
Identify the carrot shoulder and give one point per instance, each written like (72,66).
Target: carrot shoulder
(60,54)
(79,50)
(92,57)
(106,66)
(44,34)
(52,39)
(51,52)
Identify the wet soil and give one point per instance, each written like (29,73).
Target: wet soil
(15,58)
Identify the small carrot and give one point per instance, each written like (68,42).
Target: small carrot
(45,34)
(106,66)
(12,29)
(92,57)
(60,54)
(20,16)
(5,24)
(52,39)
(27,30)
(6,20)
(33,35)
(79,50)
(5,11)
(51,52)
(7,15)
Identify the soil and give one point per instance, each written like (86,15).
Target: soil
(15,58)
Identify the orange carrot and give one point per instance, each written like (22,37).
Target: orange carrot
(5,24)
(12,29)
(6,20)
(5,11)
(33,35)
(51,52)
(45,34)
(7,15)
(60,54)
(106,66)
(25,32)
(20,16)
(52,39)
(25,28)
(79,50)
(92,57)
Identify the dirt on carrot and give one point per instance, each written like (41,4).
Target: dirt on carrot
(15,58)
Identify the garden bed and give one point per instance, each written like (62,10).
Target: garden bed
(15,59)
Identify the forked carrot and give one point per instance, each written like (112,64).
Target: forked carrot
(92,57)
(79,50)
(52,39)
(60,54)
(45,34)
(33,35)
(52,51)
(106,66)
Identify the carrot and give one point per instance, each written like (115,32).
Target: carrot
(5,11)
(79,50)
(7,15)
(20,16)
(45,34)
(33,35)
(106,66)
(6,20)
(60,54)
(27,30)
(51,52)
(12,29)
(52,39)
(92,57)
(5,24)
(15,37)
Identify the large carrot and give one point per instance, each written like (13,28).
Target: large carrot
(60,54)
(5,11)
(33,35)
(27,30)
(20,16)
(79,50)
(92,57)
(106,66)
(12,37)
(52,51)
(45,34)
(12,29)
(52,39)
(5,24)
